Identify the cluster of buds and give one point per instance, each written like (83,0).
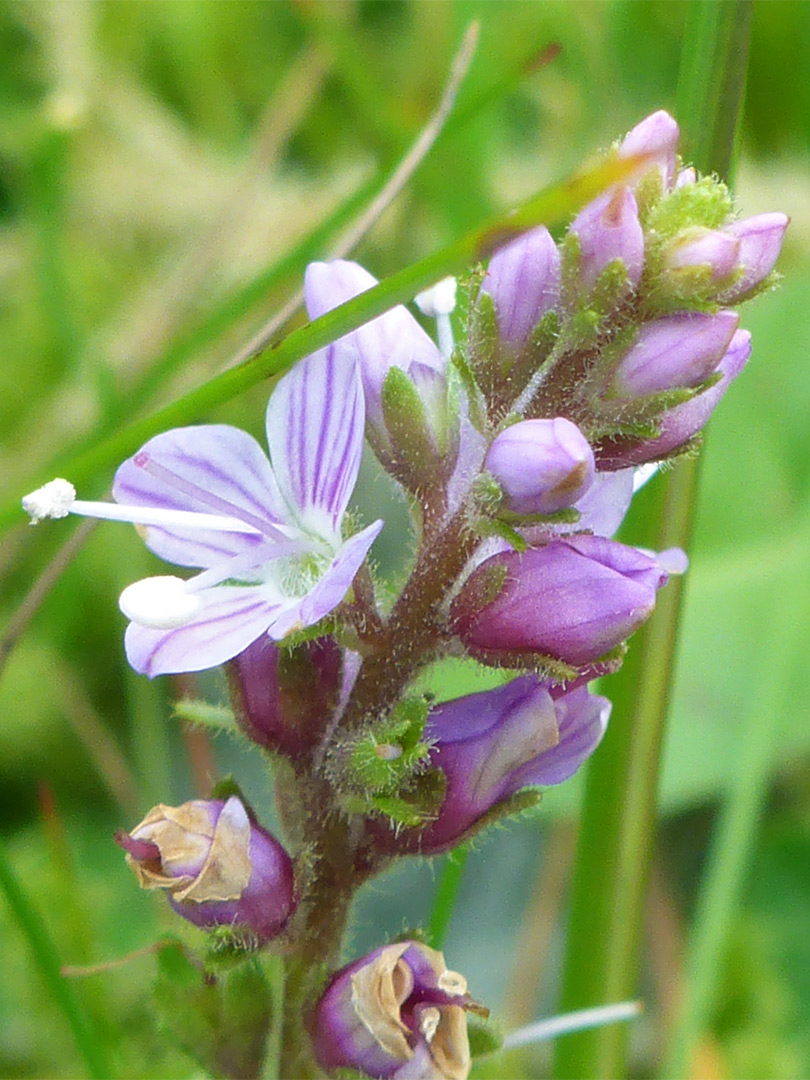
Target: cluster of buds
(518,449)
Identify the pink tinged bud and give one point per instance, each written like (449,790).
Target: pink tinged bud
(608,229)
(524,281)
(679,350)
(656,136)
(283,697)
(682,423)
(573,601)
(686,176)
(760,239)
(493,744)
(218,867)
(396,1013)
(716,249)
(541,465)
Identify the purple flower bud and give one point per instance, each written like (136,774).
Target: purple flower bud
(608,229)
(490,745)
(541,465)
(716,249)
(656,136)
(682,423)
(218,866)
(396,1013)
(760,239)
(283,697)
(524,281)
(573,600)
(678,350)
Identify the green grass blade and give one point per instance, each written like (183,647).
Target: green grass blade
(551,205)
(444,900)
(48,964)
(735,833)
(611,872)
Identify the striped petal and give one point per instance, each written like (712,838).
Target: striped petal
(315,423)
(231,617)
(210,468)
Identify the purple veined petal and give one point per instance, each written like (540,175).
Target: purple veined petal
(582,719)
(327,285)
(394,339)
(226,464)
(330,589)
(603,507)
(315,425)
(231,618)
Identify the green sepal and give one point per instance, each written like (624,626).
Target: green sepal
(416,453)
(568,516)
(482,337)
(381,761)
(498,527)
(485,1037)
(221,1021)
(484,586)
(706,203)
(475,402)
(214,718)
(519,803)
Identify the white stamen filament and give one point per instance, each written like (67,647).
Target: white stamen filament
(429,1022)
(161,517)
(581,1020)
(57,499)
(438,302)
(159,603)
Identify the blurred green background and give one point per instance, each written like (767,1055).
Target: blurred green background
(164,167)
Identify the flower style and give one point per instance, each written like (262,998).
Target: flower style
(218,867)
(210,498)
(397,1012)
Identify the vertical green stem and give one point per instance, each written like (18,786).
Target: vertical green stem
(617,829)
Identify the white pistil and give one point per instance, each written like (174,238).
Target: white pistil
(582,1020)
(57,499)
(438,302)
(429,1022)
(159,603)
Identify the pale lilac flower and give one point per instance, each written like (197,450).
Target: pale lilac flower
(523,279)
(267,533)
(609,230)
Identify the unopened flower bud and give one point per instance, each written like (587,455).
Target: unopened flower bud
(573,601)
(491,745)
(283,697)
(678,350)
(760,239)
(716,249)
(656,136)
(398,1014)
(609,230)
(523,280)
(218,867)
(541,465)
(683,422)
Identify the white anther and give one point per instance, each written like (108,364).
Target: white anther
(159,603)
(439,299)
(52,500)
(452,983)
(429,1022)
